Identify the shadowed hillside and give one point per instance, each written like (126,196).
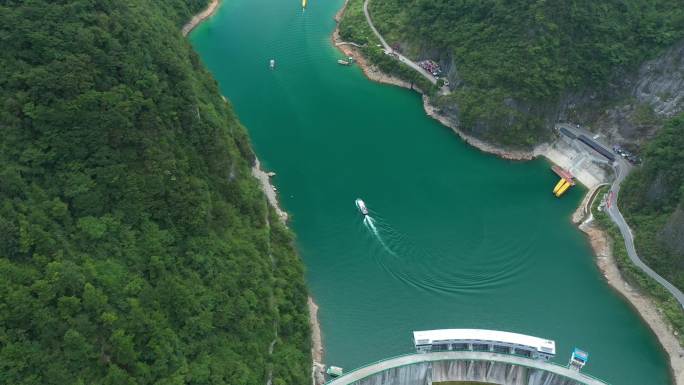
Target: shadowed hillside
(135,246)
(516,66)
(653,201)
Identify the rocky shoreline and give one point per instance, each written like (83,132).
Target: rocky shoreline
(481,145)
(605,260)
(645,307)
(317,376)
(371,72)
(269,190)
(267,187)
(375,74)
(200,17)
(317,365)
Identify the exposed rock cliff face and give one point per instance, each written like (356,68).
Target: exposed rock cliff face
(671,235)
(653,93)
(629,111)
(661,82)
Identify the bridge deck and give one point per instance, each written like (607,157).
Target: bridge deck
(410,359)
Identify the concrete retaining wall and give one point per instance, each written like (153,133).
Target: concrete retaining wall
(426,373)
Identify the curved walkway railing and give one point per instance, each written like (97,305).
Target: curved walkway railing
(417,358)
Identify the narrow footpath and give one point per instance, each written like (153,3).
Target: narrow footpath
(389,49)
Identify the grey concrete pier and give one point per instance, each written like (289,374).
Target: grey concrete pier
(426,368)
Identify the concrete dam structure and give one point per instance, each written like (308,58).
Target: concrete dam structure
(486,367)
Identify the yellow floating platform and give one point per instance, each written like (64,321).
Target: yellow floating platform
(566,181)
(559,185)
(563,188)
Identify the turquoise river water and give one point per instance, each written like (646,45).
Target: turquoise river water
(464,239)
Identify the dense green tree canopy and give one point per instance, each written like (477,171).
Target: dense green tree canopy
(135,247)
(517,57)
(653,201)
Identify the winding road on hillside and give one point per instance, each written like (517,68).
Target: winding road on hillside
(622,169)
(389,49)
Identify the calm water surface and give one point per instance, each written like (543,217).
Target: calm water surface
(464,239)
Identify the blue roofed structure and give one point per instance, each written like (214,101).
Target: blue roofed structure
(578,359)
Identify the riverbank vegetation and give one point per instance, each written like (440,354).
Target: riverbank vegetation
(135,246)
(633,275)
(515,60)
(354,28)
(653,203)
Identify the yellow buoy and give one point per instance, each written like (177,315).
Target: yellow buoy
(558,185)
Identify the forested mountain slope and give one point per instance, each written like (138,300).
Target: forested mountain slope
(517,63)
(135,247)
(653,201)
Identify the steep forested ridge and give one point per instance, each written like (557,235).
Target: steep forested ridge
(653,201)
(135,247)
(515,59)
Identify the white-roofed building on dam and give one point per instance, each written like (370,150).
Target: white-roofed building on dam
(484,340)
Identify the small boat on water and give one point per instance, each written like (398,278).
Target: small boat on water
(361,205)
(272,64)
(343,62)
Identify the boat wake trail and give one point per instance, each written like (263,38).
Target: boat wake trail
(370,224)
(450,271)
